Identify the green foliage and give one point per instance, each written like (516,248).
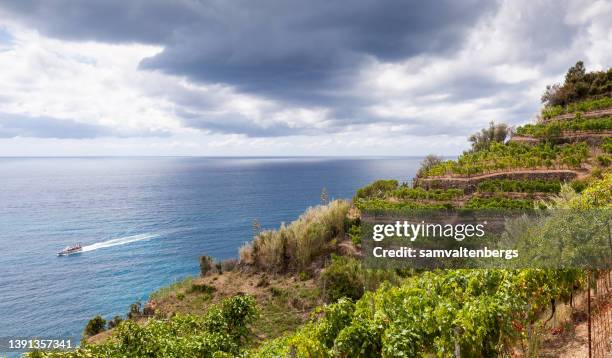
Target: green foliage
(583,106)
(355,234)
(607,145)
(115,322)
(578,85)
(345,277)
(495,202)
(342,278)
(377,189)
(202,288)
(94,326)
(429,314)
(405,193)
(220,333)
(494,133)
(520,186)
(597,195)
(504,157)
(382,205)
(604,160)
(554,129)
(429,161)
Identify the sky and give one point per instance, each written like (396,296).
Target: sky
(281,77)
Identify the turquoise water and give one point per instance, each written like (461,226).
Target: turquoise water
(143,223)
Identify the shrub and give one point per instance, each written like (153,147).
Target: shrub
(523,186)
(355,234)
(202,288)
(94,326)
(114,322)
(293,247)
(578,85)
(342,278)
(135,310)
(345,277)
(483,139)
(206,265)
(604,160)
(377,189)
(430,161)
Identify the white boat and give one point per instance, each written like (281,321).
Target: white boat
(69,250)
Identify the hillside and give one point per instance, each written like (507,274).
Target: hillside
(301,290)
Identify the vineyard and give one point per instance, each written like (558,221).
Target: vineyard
(404,313)
(556,128)
(584,106)
(501,157)
(475,312)
(520,186)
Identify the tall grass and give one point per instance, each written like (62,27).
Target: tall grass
(295,246)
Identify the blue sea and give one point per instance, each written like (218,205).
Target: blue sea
(143,223)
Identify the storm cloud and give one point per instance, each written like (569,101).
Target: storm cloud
(279,68)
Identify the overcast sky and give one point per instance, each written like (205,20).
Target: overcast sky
(281,77)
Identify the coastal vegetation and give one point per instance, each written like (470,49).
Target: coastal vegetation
(520,186)
(579,85)
(556,128)
(301,290)
(295,246)
(502,157)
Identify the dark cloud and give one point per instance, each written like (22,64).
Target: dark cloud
(17,125)
(305,54)
(297,50)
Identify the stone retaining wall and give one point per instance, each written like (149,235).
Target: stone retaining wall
(469,185)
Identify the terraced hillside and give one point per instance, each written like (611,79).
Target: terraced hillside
(371,313)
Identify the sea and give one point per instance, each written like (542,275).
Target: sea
(143,222)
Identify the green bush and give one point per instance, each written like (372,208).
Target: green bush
(607,145)
(220,333)
(553,129)
(377,189)
(499,202)
(429,314)
(577,86)
(342,278)
(115,322)
(94,326)
(345,277)
(503,157)
(604,160)
(521,186)
(355,234)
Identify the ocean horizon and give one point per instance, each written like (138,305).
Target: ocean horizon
(143,222)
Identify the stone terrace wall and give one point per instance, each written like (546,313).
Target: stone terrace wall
(469,185)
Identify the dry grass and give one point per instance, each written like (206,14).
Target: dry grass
(295,246)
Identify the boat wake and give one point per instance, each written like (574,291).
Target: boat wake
(119,241)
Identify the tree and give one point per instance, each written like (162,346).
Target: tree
(94,326)
(429,162)
(551,95)
(135,310)
(483,139)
